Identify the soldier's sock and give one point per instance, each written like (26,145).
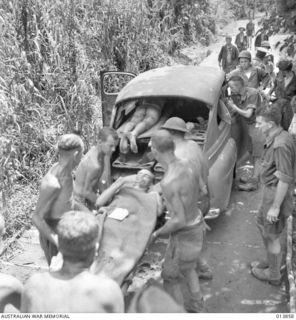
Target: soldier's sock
(274,261)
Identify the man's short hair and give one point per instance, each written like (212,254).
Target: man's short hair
(163,141)
(105,132)
(146,171)
(272,113)
(238,78)
(78,234)
(69,142)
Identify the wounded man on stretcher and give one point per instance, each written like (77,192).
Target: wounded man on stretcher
(131,212)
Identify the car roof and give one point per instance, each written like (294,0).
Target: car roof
(195,82)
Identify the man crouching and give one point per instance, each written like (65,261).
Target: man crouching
(73,288)
(180,189)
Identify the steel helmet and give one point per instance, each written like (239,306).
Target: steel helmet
(176,124)
(245,54)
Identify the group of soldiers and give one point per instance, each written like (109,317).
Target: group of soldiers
(264,104)
(70,230)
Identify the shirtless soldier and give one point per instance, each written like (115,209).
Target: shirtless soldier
(180,189)
(73,288)
(10,289)
(91,168)
(189,150)
(144,117)
(56,190)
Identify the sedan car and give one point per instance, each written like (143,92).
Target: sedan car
(193,93)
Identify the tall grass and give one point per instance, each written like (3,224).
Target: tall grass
(51,54)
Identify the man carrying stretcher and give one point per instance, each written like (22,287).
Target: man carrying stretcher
(180,188)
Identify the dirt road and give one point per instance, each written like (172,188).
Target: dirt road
(230,245)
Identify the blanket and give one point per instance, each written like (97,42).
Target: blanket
(124,242)
(152,298)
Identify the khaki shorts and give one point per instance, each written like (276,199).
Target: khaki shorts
(182,252)
(256,145)
(270,230)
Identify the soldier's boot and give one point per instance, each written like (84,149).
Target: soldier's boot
(204,271)
(261,264)
(196,304)
(271,274)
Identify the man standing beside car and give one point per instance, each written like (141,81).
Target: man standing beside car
(277,178)
(180,188)
(91,168)
(189,150)
(248,102)
(228,56)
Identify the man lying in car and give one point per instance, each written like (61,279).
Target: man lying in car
(145,116)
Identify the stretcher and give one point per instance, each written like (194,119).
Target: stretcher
(123,243)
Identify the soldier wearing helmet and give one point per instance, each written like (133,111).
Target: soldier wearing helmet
(254,77)
(189,150)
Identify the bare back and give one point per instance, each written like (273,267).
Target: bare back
(55,193)
(84,292)
(10,291)
(181,189)
(190,150)
(88,173)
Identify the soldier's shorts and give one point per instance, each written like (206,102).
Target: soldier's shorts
(256,141)
(48,247)
(179,265)
(270,230)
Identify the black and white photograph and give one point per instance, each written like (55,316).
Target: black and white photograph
(148,158)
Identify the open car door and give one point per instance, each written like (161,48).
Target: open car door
(111,84)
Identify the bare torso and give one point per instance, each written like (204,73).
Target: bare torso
(180,184)
(88,174)
(56,192)
(10,291)
(84,292)
(190,150)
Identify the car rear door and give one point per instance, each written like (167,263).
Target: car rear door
(111,84)
(222,157)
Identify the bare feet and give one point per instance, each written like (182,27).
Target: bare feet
(133,143)
(123,146)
